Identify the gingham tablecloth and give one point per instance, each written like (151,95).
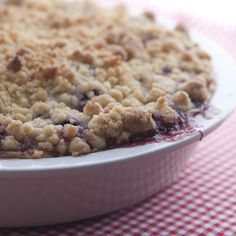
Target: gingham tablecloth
(202,202)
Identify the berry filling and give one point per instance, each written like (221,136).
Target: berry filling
(84,98)
(166,131)
(2,131)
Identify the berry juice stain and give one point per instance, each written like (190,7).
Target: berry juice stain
(167,132)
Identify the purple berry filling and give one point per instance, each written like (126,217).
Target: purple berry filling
(147,38)
(83,98)
(73,121)
(166,70)
(2,131)
(82,128)
(164,128)
(28,146)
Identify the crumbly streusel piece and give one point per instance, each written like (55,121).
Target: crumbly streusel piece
(76,78)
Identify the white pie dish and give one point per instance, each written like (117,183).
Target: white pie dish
(58,190)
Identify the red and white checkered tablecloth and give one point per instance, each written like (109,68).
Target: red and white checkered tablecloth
(202,202)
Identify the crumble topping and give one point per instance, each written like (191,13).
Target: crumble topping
(77,78)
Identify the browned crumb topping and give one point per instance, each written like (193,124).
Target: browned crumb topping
(77,78)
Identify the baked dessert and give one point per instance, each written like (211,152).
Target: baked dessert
(76,78)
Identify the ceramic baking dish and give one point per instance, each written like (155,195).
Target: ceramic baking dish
(58,190)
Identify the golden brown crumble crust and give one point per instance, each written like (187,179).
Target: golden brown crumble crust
(77,78)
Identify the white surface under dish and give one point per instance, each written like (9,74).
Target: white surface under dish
(58,190)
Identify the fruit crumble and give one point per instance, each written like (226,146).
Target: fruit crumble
(76,78)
